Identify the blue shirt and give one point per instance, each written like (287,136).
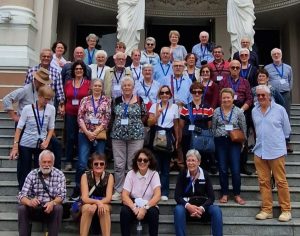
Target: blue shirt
(147,92)
(272,128)
(162,71)
(281,76)
(202,54)
(149,59)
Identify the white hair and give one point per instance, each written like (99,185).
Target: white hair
(46,153)
(244,50)
(276,50)
(204,33)
(101,52)
(195,153)
(91,36)
(264,88)
(120,54)
(125,79)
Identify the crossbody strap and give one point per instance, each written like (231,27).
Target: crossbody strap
(45,187)
(148,184)
(35,116)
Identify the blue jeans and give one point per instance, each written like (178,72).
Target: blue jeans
(214,212)
(228,154)
(84,151)
(163,161)
(71,136)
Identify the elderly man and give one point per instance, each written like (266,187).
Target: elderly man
(253,59)
(120,47)
(42,195)
(219,67)
(272,126)
(242,99)
(66,72)
(281,78)
(163,69)
(113,76)
(203,50)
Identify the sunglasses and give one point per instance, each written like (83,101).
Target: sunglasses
(150,44)
(244,55)
(205,72)
(234,67)
(164,92)
(261,95)
(79,68)
(96,164)
(140,160)
(196,91)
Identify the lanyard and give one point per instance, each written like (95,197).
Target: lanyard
(162,114)
(203,51)
(76,89)
(165,73)
(244,72)
(205,90)
(41,123)
(100,72)
(235,86)
(178,87)
(217,68)
(144,87)
(137,75)
(192,181)
(90,57)
(118,79)
(222,115)
(276,68)
(126,105)
(93,103)
(33,92)
(191,114)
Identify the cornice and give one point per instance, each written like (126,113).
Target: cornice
(191,8)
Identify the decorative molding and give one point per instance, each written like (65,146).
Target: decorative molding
(191,8)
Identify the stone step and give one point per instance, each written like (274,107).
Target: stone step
(8,139)
(231,226)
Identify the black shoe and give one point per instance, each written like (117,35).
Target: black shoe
(76,194)
(245,171)
(213,170)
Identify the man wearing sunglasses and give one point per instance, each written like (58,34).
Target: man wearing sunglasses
(253,57)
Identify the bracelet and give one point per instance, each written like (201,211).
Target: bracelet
(16,142)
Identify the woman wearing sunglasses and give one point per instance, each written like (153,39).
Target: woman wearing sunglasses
(96,191)
(148,56)
(141,193)
(164,115)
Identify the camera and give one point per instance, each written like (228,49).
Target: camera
(39,142)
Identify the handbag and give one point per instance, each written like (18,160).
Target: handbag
(163,140)
(197,200)
(201,139)
(237,136)
(102,135)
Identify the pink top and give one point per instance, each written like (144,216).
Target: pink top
(136,184)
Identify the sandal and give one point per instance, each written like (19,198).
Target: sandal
(223,199)
(239,200)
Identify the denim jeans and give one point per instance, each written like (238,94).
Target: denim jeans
(57,151)
(214,212)
(228,155)
(163,161)
(71,136)
(84,151)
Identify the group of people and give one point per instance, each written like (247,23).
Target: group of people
(163,102)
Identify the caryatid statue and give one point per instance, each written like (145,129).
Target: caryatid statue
(131,18)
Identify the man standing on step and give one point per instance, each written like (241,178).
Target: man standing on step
(38,201)
(272,126)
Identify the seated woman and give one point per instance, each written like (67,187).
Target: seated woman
(141,193)
(96,191)
(194,195)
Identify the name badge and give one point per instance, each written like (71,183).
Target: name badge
(162,132)
(146,100)
(235,97)
(75,102)
(94,121)
(117,87)
(219,78)
(191,127)
(229,127)
(282,81)
(124,121)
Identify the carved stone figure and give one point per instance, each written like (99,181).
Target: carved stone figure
(240,22)
(131,17)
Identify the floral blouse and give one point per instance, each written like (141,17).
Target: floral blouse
(86,112)
(134,130)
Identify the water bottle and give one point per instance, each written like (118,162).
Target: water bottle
(139,228)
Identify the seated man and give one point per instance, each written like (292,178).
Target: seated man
(39,202)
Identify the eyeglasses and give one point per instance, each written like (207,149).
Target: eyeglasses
(196,91)
(244,55)
(150,44)
(119,47)
(164,92)
(79,68)
(140,160)
(261,95)
(178,66)
(234,67)
(205,72)
(96,164)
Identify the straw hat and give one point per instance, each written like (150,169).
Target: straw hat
(42,75)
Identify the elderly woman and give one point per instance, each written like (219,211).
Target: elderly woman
(194,195)
(93,118)
(135,67)
(128,115)
(91,50)
(225,119)
(148,56)
(59,48)
(191,70)
(248,71)
(141,193)
(178,52)
(96,191)
(211,89)
(98,69)
(164,116)
(75,90)
(196,115)
(38,121)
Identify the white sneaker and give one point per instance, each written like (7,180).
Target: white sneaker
(285,216)
(116,196)
(68,167)
(164,198)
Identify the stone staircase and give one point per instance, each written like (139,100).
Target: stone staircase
(238,220)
